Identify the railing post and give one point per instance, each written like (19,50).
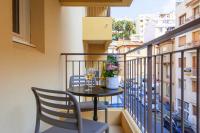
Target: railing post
(124,81)
(182,92)
(66,72)
(149,88)
(198,91)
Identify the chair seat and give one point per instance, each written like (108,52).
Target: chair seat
(88,106)
(89,126)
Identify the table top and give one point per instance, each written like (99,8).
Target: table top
(96,91)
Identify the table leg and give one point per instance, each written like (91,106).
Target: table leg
(95,117)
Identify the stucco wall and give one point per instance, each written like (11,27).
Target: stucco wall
(22,67)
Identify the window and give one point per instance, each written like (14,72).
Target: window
(194,109)
(182,19)
(194,86)
(180,62)
(196,36)
(196,12)
(15,11)
(21,21)
(28,23)
(182,41)
(194,62)
(179,83)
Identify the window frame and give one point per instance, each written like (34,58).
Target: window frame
(23,36)
(184,19)
(184,62)
(194,39)
(15,16)
(196,11)
(194,86)
(180,43)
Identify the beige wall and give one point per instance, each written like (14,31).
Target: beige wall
(22,67)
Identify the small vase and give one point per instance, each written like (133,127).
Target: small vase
(112,82)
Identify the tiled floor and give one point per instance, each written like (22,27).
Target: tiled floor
(115,129)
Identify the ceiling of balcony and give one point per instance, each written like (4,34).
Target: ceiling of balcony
(96,2)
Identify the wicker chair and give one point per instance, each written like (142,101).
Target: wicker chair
(79,80)
(61,110)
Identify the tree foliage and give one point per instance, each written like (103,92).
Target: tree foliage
(122,29)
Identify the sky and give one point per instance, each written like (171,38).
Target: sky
(142,7)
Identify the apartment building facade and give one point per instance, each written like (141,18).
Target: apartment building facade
(162,48)
(150,26)
(187,11)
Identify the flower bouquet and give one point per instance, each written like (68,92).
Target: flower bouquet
(111,72)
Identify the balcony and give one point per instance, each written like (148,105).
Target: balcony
(191,2)
(192,18)
(192,45)
(141,108)
(97,30)
(189,19)
(97,2)
(144,97)
(166,60)
(192,72)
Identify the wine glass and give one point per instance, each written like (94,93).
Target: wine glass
(89,79)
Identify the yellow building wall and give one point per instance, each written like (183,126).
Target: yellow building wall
(97,28)
(22,67)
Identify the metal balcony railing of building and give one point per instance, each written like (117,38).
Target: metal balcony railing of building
(156,106)
(77,65)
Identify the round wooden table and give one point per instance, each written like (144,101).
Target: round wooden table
(96,91)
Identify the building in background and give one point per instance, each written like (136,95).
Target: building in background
(187,11)
(151,26)
(162,48)
(141,22)
(123,46)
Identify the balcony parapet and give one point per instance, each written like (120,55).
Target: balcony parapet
(191,2)
(193,44)
(192,18)
(97,29)
(192,72)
